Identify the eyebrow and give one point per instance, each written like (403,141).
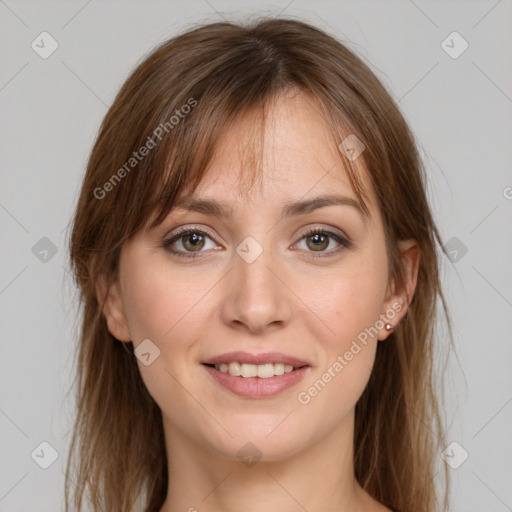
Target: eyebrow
(292,208)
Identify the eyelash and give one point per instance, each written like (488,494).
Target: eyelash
(344,243)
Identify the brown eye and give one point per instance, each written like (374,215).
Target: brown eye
(193,242)
(188,243)
(317,242)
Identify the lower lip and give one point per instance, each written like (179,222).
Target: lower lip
(254,387)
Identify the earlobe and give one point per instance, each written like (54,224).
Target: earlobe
(398,301)
(109,296)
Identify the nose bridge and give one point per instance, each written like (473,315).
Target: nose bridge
(256,298)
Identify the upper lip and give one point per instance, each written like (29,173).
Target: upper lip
(263,358)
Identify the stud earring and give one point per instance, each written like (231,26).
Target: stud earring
(389,327)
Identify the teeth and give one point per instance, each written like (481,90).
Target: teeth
(249,370)
(263,371)
(234,369)
(279,368)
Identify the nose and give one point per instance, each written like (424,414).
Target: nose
(257,299)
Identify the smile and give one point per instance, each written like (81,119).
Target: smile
(252,375)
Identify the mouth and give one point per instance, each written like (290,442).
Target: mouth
(256,376)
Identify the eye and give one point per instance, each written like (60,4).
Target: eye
(188,243)
(318,240)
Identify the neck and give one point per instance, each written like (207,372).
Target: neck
(321,477)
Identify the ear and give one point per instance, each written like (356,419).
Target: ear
(109,297)
(398,300)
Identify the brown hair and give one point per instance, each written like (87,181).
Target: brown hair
(222,70)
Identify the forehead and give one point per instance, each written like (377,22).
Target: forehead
(288,151)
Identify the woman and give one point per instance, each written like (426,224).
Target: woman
(258,271)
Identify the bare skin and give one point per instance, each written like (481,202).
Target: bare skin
(302,296)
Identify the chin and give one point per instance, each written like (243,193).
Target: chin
(263,439)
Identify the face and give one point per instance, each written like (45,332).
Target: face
(260,290)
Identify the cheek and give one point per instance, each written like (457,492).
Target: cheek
(348,358)
(359,304)
(159,302)
(349,305)
(347,301)
(166,307)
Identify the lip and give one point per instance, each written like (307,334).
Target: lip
(255,387)
(264,358)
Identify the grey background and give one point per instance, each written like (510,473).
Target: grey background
(459,108)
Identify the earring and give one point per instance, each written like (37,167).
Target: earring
(389,327)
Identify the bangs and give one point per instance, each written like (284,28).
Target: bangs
(186,159)
(184,97)
(193,107)
(182,160)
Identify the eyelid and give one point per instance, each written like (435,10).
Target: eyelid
(186,229)
(324,229)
